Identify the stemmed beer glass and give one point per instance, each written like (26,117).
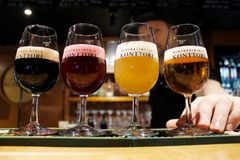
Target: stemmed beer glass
(83,70)
(136,69)
(36,69)
(186,69)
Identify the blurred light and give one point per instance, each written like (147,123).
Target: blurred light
(28,12)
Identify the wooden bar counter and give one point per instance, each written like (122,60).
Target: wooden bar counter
(211,147)
(185,152)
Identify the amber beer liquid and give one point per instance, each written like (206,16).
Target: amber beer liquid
(136,66)
(186,69)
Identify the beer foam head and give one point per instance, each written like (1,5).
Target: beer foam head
(84,50)
(37,52)
(136,48)
(185,52)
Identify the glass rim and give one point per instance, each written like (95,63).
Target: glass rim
(87,24)
(183,24)
(139,23)
(27,28)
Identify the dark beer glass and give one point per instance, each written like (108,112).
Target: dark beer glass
(36,69)
(186,69)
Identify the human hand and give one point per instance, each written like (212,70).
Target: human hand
(214,111)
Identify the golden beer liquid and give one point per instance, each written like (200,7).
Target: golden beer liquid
(136,74)
(186,75)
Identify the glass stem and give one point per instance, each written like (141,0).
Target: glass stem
(82,110)
(135,111)
(34,110)
(188,101)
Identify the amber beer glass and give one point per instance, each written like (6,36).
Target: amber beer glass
(186,69)
(136,68)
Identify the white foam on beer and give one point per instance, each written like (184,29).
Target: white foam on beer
(84,50)
(178,51)
(35,52)
(137,47)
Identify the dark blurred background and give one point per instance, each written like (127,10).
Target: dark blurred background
(111,15)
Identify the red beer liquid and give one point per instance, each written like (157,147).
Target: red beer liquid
(83,74)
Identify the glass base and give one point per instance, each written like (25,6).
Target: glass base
(32,130)
(135,131)
(189,130)
(81,130)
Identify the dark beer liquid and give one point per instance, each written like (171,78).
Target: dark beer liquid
(186,75)
(36,75)
(83,74)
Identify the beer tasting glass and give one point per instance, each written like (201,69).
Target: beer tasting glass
(136,69)
(83,70)
(36,69)
(186,69)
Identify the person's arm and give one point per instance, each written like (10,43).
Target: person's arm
(215,109)
(212,86)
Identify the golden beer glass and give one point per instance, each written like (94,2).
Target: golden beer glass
(186,70)
(136,69)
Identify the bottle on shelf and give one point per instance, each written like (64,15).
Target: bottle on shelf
(116,89)
(146,116)
(110,118)
(90,119)
(238,68)
(233,70)
(226,75)
(103,124)
(110,91)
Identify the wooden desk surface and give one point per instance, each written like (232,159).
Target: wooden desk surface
(187,152)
